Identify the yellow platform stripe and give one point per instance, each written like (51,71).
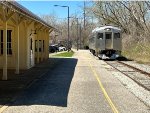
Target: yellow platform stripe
(114,109)
(3,108)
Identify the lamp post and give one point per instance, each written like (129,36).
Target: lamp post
(68,24)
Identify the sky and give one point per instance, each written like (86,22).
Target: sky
(47,7)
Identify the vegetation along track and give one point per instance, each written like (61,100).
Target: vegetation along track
(139,76)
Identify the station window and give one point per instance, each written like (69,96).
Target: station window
(43,46)
(40,45)
(117,35)
(31,43)
(9,42)
(100,36)
(36,45)
(1,42)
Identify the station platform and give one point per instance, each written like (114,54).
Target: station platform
(80,84)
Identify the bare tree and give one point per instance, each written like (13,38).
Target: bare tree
(131,16)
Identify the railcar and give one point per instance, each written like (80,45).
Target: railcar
(106,42)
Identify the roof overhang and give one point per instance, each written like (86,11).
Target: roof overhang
(16,7)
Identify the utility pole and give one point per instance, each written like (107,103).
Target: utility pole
(77,34)
(84,29)
(80,36)
(84,15)
(69,41)
(92,22)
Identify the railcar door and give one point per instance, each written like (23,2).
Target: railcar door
(108,40)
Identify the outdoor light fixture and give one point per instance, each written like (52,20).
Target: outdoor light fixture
(33,32)
(108,29)
(60,6)
(68,23)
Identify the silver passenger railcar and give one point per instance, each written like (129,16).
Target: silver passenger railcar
(105,42)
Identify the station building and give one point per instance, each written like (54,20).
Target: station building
(24,38)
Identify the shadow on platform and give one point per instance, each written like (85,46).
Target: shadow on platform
(50,81)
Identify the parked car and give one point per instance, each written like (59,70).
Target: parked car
(53,48)
(61,48)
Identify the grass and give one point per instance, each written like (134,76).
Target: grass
(65,54)
(138,52)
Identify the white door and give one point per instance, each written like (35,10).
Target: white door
(31,53)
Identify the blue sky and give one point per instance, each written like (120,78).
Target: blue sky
(47,7)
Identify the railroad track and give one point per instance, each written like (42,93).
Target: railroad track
(139,76)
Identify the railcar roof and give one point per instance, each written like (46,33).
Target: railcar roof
(105,27)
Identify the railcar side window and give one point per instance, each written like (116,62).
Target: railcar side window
(117,35)
(100,36)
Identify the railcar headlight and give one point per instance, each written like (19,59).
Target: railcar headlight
(108,29)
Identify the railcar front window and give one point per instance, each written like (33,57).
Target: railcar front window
(100,36)
(117,35)
(108,36)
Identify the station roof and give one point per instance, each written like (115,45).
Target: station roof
(24,11)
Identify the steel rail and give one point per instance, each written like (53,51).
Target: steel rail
(136,69)
(140,84)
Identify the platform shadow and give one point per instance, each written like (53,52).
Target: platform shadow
(50,89)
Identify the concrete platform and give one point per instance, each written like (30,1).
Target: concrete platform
(72,85)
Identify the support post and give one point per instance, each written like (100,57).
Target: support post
(27,45)
(17,54)
(45,47)
(42,35)
(38,48)
(47,44)
(5,52)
